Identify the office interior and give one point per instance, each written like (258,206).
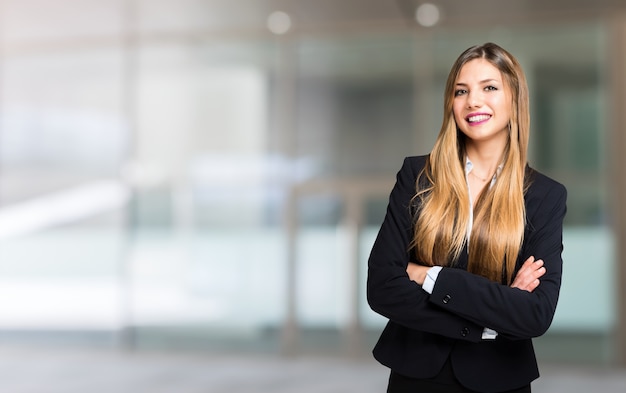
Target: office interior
(209,175)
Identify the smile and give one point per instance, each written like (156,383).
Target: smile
(478,118)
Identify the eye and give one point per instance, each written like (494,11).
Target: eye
(459,92)
(491,88)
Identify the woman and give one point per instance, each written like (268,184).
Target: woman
(467,264)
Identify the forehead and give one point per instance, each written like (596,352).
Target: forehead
(478,70)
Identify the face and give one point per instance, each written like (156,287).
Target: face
(482,103)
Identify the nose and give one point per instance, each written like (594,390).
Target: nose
(474,99)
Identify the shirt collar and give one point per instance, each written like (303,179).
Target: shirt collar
(469,166)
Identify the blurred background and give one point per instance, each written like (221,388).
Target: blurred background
(208,176)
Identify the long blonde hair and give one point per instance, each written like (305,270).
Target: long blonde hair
(442,197)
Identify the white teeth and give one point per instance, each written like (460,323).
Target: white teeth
(473,119)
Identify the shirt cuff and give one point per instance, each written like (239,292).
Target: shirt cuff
(431,278)
(489,334)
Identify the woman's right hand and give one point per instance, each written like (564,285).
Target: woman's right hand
(527,278)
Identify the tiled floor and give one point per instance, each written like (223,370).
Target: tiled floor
(81,371)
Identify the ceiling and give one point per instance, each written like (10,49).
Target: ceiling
(322,14)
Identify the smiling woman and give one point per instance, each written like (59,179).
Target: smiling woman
(482,274)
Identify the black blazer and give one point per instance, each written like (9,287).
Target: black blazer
(424,330)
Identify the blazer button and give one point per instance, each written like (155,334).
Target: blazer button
(446,299)
(464,332)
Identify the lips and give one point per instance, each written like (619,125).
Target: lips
(477,118)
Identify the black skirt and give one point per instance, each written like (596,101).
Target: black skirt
(444,382)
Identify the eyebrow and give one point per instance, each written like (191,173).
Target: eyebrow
(481,82)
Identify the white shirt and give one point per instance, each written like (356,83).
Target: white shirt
(433,272)
(468,168)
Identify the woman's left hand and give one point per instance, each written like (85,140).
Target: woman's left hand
(527,278)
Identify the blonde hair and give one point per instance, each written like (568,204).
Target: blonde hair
(442,196)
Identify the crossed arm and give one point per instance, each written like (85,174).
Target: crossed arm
(527,277)
(460,299)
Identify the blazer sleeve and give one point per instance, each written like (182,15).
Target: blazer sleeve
(514,313)
(390,292)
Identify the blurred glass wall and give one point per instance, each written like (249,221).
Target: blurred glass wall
(172,178)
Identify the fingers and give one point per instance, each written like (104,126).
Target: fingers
(527,277)
(528,263)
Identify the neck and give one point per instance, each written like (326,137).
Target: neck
(485,159)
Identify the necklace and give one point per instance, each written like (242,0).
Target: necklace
(479,178)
